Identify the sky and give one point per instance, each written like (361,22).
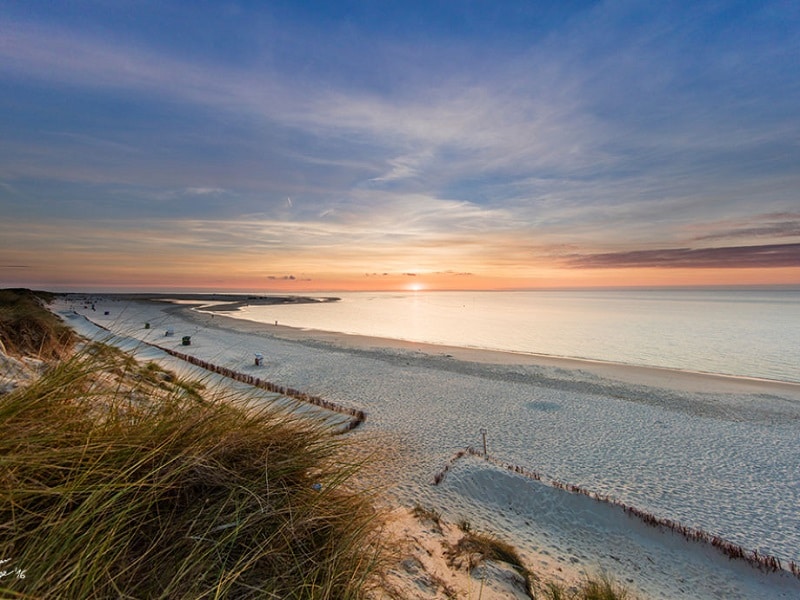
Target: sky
(295,146)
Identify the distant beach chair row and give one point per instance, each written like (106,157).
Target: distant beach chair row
(186,340)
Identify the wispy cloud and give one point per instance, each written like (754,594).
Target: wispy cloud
(535,113)
(773,225)
(463,116)
(63,56)
(739,257)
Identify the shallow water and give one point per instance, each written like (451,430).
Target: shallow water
(749,333)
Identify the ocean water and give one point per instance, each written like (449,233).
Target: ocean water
(746,333)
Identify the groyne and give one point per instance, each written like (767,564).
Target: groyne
(357,417)
(765,562)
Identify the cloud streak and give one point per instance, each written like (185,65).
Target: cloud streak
(738,257)
(776,225)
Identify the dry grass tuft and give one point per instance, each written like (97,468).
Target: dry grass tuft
(116,480)
(27,329)
(477,547)
(593,588)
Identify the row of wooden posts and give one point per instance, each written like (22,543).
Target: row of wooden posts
(753,557)
(357,417)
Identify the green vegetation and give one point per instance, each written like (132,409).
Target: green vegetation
(601,588)
(27,329)
(116,481)
(475,547)
(480,546)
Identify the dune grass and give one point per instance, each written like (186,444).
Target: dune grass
(601,587)
(481,546)
(121,481)
(27,329)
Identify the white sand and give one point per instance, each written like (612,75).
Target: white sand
(427,568)
(715,453)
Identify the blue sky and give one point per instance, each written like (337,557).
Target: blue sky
(290,145)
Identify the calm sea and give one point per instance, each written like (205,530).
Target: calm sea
(750,333)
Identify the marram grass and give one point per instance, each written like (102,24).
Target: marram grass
(601,587)
(116,482)
(26,328)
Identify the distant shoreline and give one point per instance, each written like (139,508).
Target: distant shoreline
(187,304)
(233,301)
(660,377)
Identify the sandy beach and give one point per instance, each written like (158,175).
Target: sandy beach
(673,443)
